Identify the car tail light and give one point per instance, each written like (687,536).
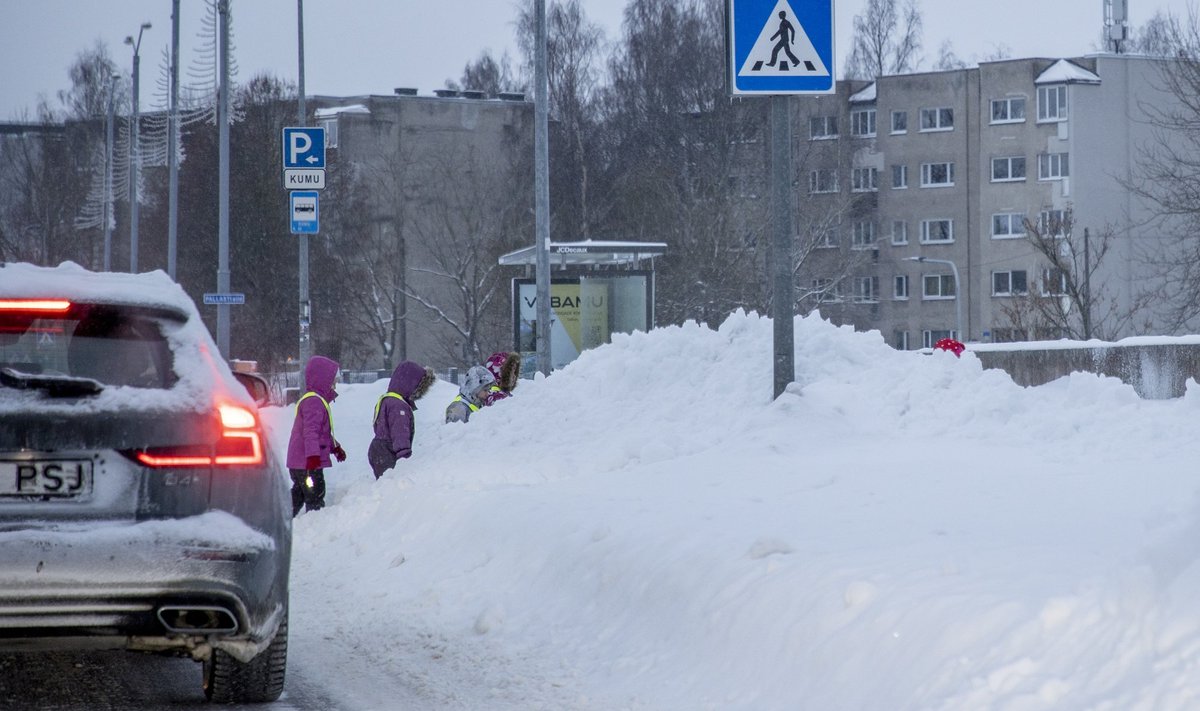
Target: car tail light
(39,305)
(240,444)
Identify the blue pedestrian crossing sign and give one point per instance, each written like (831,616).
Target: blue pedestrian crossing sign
(773,49)
(303,147)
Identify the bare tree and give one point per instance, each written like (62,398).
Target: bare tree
(488,75)
(1069,298)
(887,40)
(470,219)
(947,59)
(1167,172)
(575,51)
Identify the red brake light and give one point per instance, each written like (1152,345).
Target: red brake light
(240,444)
(42,305)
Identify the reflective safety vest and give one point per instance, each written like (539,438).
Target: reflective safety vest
(459,398)
(323,402)
(379,402)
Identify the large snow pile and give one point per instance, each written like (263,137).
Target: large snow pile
(647,529)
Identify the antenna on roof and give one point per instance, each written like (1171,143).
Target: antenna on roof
(1116,24)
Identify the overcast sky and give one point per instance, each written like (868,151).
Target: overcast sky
(372,46)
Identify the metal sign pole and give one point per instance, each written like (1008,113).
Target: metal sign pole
(542,191)
(305,309)
(781,243)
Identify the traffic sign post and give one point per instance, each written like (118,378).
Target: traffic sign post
(774,51)
(306,214)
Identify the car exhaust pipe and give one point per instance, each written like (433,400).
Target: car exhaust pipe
(197,619)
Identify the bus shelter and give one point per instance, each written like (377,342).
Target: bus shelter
(597,288)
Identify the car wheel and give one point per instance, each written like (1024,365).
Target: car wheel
(226,680)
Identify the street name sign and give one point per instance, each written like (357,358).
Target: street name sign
(218,299)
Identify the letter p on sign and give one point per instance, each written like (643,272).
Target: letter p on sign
(303,147)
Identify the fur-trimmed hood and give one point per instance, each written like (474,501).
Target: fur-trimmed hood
(505,367)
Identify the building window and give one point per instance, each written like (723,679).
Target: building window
(1008,335)
(1012,283)
(862,123)
(900,339)
(931,337)
(1053,166)
(864,180)
(1054,282)
(826,291)
(822,128)
(1009,110)
(900,288)
(331,132)
(1008,169)
(823,181)
(899,232)
(1008,225)
(899,177)
(940,119)
(937,231)
(864,235)
(826,239)
(938,286)
(899,122)
(1053,223)
(866,290)
(937,175)
(1052,103)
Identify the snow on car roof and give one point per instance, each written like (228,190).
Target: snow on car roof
(71,281)
(197,360)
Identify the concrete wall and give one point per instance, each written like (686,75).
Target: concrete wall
(1157,371)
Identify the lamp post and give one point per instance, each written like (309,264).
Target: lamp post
(134,158)
(108,175)
(957,291)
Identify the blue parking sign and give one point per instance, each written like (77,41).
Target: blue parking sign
(773,49)
(303,147)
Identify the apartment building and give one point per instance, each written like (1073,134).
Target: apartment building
(949,167)
(430,178)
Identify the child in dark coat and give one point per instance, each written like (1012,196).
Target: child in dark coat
(394,426)
(312,443)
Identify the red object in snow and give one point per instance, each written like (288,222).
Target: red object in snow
(949,344)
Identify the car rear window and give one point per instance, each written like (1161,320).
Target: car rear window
(113,345)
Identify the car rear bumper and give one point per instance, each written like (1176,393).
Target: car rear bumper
(178,585)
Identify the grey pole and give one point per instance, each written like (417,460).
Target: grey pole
(781,244)
(958,295)
(135,159)
(305,307)
(108,176)
(223,183)
(542,190)
(172,148)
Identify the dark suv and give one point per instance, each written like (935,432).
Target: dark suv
(140,506)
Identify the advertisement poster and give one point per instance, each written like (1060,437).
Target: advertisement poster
(581,315)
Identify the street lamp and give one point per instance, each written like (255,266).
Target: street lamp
(134,158)
(957,291)
(108,175)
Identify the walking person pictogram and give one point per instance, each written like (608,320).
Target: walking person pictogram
(786,35)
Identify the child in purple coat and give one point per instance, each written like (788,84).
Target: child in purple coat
(394,424)
(312,442)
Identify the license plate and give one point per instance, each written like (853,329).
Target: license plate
(48,478)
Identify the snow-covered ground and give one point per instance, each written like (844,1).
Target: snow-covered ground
(647,529)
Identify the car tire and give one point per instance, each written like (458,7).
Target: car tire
(226,680)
